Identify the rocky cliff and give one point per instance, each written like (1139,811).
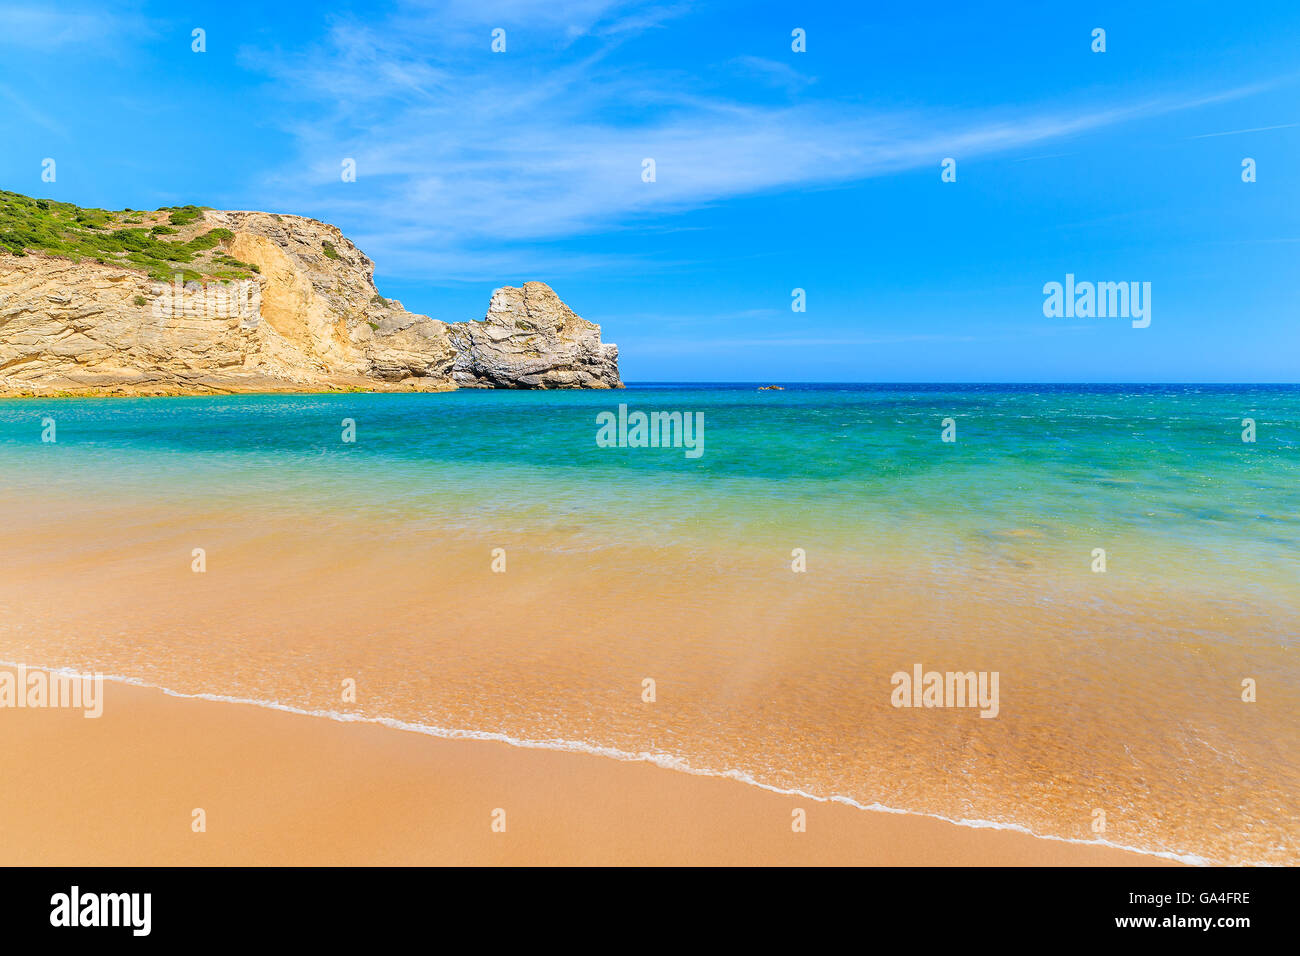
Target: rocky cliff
(304,316)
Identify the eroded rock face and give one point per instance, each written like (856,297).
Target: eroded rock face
(311,320)
(530,339)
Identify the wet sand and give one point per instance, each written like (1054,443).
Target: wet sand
(1114,695)
(287,789)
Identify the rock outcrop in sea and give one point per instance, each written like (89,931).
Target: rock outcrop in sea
(306,317)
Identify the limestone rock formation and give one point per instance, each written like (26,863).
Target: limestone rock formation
(310,319)
(530,339)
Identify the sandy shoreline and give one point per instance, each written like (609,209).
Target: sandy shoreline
(1113,697)
(284,789)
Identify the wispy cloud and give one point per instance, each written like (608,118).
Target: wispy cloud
(773,72)
(467,160)
(56,27)
(692,346)
(30,112)
(569,19)
(1257,129)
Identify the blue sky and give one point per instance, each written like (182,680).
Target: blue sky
(775,170)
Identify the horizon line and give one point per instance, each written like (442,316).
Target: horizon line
(667,381)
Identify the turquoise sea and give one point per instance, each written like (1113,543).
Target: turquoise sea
(1165,464)
(1122,684)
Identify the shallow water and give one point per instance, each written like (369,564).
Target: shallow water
(371,560)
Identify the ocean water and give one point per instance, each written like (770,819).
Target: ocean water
(1165,463)
(1120,690)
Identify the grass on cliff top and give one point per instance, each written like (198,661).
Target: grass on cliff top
(129,238)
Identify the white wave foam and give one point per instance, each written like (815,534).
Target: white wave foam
(666,761)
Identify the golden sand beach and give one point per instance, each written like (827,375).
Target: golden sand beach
(763,679)
(286,789)
(1065,640)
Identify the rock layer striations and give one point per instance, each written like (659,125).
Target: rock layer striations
(308,318)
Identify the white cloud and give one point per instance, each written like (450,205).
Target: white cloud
(23,107)
(773,72)
(49,28)
(1256,129)
(467,159)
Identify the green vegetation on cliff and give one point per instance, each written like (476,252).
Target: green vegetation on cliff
(129,238)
